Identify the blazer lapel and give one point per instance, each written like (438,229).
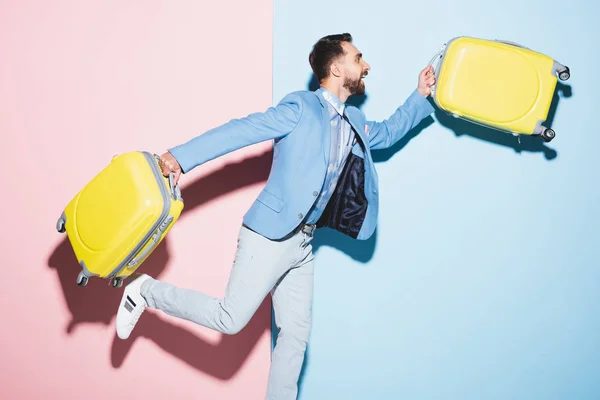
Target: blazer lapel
(325,128)
(359,131)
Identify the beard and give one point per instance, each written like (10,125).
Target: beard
(355,86)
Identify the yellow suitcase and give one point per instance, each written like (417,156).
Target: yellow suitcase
(117,220)
(498,84)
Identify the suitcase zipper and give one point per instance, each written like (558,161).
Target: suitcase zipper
(158,226)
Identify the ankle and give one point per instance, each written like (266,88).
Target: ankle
(145,288)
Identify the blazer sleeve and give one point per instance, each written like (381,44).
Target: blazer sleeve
(276,122)
(384,134)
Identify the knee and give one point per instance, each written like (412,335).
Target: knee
(230,325)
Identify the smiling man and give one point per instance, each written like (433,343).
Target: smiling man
(322,175)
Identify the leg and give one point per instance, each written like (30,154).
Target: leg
(259,263)
(292,300)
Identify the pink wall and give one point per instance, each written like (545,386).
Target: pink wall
(78,84)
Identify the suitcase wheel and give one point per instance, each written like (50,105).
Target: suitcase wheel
(82,280)
(60,224)
(548,134)
(116,282)
(564,74)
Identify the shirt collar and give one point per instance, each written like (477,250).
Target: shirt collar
(332,99)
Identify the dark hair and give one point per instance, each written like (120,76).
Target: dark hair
(325,51)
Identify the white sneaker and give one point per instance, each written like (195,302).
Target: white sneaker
(131,308)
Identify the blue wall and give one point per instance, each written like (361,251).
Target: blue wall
(483,278)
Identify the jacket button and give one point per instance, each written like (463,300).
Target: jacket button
(300,216)
(315,193)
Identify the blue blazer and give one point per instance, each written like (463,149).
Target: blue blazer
(300,129)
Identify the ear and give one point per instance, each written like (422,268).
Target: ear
(335,69)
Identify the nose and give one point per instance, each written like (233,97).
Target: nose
(367,66)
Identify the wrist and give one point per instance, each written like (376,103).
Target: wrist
(424,92)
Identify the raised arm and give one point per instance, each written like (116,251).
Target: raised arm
(385,133)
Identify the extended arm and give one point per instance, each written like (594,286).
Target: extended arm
(274,123)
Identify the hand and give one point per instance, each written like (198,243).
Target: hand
(426,81)
(169,164)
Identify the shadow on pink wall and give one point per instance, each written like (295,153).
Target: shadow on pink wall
(97,302)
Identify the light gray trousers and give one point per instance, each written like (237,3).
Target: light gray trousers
(285,268)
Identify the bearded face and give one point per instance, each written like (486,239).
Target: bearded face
(356,85)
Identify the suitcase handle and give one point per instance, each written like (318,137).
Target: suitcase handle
(438,57)
(512,44)
(175,191)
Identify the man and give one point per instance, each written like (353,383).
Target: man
(322,175)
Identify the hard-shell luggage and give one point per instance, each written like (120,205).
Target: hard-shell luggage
(117,220)
(498,84)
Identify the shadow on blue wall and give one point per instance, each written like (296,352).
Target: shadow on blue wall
(363,250)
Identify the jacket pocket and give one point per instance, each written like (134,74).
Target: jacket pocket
(270,200)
